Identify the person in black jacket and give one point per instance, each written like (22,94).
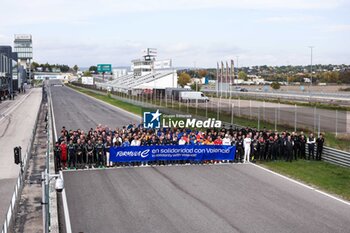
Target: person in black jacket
(302,141)
(296,146)
(288,147)
(261,148)
(319,148)
(72,156)
(239,148)
(57,153)
(90,149)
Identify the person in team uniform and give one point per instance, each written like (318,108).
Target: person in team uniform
(261,148)
(72,156)
(99,153)
(239,148)
(311,146)
(79,153)
(319,147)
(58,154)
(90,149)
(302,150)
(288,146)
(247,148)
(107,146)
(64,154)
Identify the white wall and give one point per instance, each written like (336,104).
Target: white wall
(164,82)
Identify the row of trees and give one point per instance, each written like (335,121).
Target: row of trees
(185,77)
(49,67)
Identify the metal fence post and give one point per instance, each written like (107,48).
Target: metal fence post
(295,118)
(275,119)
(206,109)
(239,106)
(336,122)
(233,105)
(250,109)
(314,119)
(258,118)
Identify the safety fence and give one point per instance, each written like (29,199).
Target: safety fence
(20,180)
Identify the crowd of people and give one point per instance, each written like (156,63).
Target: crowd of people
(79,149)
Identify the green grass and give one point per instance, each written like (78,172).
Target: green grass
(325,176)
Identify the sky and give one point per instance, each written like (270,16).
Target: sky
(193,33)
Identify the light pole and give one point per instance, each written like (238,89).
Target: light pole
(237,70)
(311,48)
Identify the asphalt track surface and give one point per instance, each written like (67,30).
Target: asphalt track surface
(210,198)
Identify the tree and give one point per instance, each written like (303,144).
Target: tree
(242,75)
(34,65)
(196,87)
(184,79)
(75,68)
(275,85)
(93,68)
(202,73)
(87,74)
(344,76)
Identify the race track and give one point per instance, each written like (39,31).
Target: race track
(196,198)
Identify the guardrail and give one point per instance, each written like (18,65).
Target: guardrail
(335,156)
(329,154)
(20,179)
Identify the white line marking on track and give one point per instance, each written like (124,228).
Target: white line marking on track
(64,196)
(304,185)
(145,166)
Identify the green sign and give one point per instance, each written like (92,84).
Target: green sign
(104,68)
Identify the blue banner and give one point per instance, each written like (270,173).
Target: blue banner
(172,152)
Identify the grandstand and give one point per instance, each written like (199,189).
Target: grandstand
(147,73)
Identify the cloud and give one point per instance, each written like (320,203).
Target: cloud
(339,28)
(81,11)
(290,19)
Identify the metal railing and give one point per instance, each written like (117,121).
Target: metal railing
(20,180)
(335,156)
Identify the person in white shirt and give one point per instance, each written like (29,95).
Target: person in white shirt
(226,141)
(182,141)
(135,142)
(247,145)
(117,138)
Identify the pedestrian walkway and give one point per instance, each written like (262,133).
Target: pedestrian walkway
(29,214)
(17,120)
